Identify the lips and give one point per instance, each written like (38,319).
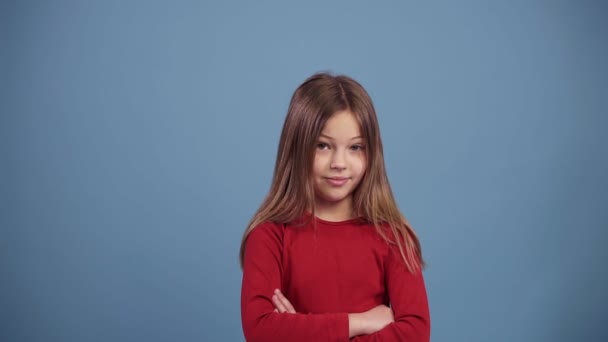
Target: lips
(337,181)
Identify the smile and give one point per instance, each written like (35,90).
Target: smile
(337,181)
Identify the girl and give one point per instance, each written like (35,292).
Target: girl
(328,251)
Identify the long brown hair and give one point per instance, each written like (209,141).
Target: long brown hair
(291,192)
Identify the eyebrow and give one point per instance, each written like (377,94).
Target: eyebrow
(330,138)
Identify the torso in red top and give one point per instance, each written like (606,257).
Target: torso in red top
(326,272)
(335,267)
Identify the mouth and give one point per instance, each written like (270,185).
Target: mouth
(337,181)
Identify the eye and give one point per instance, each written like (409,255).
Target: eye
(357,147)
(322,146)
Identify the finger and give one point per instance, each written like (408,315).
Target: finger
(278,304)
(285,302)
(275,310)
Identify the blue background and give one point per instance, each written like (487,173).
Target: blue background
(138,138)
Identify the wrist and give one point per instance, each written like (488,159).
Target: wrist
(356,325)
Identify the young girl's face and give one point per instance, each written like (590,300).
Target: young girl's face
(339,163)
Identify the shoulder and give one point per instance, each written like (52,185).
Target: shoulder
(263,241)
(403,247)
(266,231)
(384,232)
(394,240)
(392,234)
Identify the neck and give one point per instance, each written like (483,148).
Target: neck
(334,212)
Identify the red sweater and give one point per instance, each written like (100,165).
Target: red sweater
(326,273)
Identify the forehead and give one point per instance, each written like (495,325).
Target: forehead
(342,125)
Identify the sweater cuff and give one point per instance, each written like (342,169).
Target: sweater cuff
(339,330)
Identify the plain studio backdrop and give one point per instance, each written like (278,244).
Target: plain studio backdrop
(137,138)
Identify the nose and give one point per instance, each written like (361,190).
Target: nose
(338,160)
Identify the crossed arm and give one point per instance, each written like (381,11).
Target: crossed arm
(363,323)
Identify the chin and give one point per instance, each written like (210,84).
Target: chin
(334,199)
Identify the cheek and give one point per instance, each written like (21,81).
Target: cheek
(318,165)
(361,166)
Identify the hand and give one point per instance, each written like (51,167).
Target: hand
(370,321)
(281,304)
(378,317)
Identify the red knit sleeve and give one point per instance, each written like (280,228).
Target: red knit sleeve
(408,299)
(262,269)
